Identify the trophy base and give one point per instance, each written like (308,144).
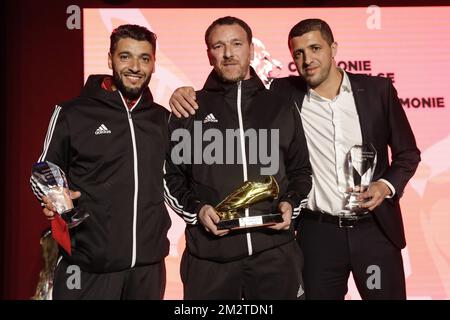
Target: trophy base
(353,205)
(250,222)
(74,217)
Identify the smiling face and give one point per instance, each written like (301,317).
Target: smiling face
(230,53)
(313,57)
(133,63)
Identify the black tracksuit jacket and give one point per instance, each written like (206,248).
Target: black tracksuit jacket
(115,157)
(238,106)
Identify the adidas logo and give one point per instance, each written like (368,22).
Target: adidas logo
(210,118)
(102,130)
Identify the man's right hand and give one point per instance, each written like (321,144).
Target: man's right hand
(208,218)
(182,102)
(50,210)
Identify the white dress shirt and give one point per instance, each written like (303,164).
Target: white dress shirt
(331,128)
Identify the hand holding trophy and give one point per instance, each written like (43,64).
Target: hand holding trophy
(230,210)
(51,180)
(361,163)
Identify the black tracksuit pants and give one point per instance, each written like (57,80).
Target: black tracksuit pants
(271,274)
(139,283)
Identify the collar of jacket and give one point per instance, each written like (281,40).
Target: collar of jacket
(216,84)
(93,89)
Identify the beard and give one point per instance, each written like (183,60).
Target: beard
(233,76)
(313,82)
(317,79)
(129,93)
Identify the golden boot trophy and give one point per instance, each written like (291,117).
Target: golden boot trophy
(247,194)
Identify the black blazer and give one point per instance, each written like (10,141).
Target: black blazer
(383,123)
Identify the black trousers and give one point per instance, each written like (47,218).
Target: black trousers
(271,274)
(332,252)
(140,283)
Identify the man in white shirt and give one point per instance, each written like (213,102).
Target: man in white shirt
(340,110)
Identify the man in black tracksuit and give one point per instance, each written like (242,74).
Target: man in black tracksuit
(259,263)
(110,142)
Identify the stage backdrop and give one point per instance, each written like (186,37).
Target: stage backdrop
(411,45)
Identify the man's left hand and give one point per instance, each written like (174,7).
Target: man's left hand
(286,214)
(374,195)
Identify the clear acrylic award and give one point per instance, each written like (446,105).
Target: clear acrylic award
(361,163)
(51,180)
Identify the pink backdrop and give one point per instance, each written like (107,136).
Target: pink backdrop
(410,45)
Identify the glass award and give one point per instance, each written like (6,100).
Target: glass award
(361,163)
(52,182)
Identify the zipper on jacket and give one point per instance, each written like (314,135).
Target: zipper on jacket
(244,156)
(136,176)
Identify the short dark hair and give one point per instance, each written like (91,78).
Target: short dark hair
(229,21)
(132,31)
(309,25)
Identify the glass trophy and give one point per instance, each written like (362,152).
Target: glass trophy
(231,209)
(361,163)
(52,182)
